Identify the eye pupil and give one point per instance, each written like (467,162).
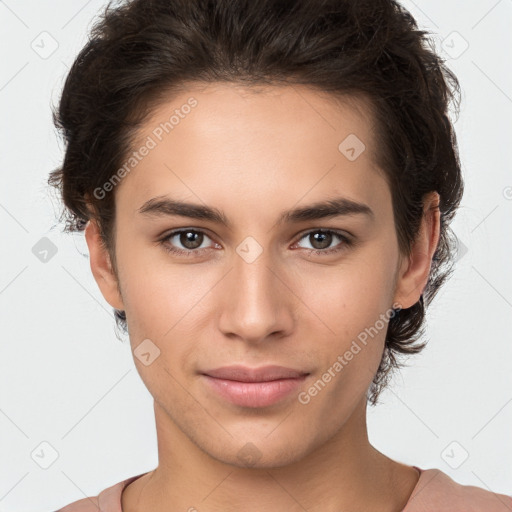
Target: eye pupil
(325,239)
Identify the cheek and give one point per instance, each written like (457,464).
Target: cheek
(350,355)
(353,308)
(352,296)
(169,305)
(159,304)
(159,297)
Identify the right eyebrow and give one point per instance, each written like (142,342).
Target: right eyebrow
(165,206)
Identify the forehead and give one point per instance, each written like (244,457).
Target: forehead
(246,114)
(255,146)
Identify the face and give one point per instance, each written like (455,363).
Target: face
(253,273)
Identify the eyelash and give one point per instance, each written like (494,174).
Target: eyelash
(346,243)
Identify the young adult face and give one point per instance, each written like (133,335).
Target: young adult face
(255,292)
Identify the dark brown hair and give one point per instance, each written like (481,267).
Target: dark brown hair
(140,52)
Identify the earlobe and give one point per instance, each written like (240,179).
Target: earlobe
(101,266)
(415,270)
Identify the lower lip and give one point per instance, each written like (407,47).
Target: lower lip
(254,394)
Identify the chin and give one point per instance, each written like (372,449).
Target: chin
(259,452)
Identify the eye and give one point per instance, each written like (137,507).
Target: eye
(321,240)
(193,241)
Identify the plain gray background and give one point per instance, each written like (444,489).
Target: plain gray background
(75,416)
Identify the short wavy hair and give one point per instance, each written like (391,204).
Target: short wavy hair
(140,52)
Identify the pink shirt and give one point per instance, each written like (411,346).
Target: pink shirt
(434,492)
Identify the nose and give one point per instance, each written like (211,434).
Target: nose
(257,303)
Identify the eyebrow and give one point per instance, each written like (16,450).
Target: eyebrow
(162,206)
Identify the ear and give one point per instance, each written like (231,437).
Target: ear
(101,266)
(414,271)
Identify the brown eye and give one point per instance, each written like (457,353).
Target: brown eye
(186,242)
(321,241)
(191,239)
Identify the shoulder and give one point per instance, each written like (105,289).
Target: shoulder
(90,504)
(108,500)
(436,491)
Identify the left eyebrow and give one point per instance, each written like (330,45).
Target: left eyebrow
(165,206)
(331,208)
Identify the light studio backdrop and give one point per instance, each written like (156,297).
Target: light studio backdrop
(74,415)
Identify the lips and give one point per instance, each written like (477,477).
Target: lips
(262,374)
(254,387)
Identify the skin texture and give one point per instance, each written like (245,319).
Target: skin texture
(253,154)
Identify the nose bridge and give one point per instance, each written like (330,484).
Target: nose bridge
(255,305)
(253,276)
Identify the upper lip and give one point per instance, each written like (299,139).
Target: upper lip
(261,374)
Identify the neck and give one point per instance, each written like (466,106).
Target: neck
(345,473)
